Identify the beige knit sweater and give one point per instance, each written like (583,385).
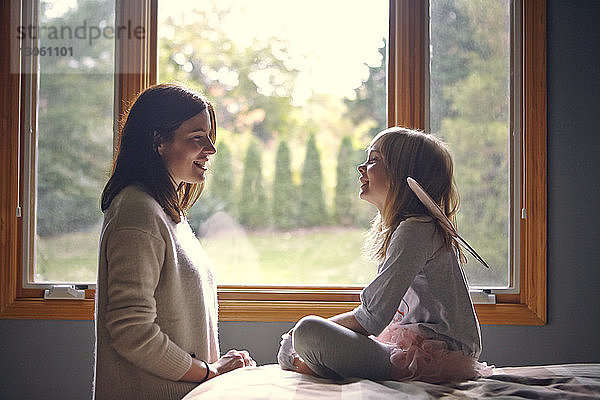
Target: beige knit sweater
(156,302)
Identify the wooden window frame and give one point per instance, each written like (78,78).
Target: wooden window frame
(408,92)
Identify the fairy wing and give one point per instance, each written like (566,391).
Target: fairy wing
(437,212)
(431,206)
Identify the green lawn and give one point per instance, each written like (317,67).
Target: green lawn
(67,258)
(304,257)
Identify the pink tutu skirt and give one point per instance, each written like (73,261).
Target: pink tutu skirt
(416,358)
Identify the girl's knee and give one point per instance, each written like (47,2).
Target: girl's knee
(309,332)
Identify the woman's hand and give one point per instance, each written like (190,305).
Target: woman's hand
(231,360)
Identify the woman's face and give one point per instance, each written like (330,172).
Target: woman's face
(186,156)
(374,180)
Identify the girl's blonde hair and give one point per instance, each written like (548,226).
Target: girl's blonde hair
(425,158)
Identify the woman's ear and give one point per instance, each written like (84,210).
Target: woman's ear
(157,143)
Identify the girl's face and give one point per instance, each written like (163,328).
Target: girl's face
(187,154)
(374,180)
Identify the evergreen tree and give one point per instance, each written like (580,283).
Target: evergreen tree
(74,123)
(345,189)
(221,182)
(253,203)
(474,119)
(284,191)
(312,210)
(218,191)
(451,47)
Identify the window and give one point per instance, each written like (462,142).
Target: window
(67,153)
(411,81)
(296,109)
(408,79)
(31,78)
(469,106)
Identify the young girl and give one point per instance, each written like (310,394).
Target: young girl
(416,320)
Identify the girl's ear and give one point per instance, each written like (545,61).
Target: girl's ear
(157,143)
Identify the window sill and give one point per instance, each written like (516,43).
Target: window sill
(38,308)
(255,310)
(270,311)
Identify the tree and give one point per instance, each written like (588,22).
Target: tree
(473,116)
(451,43)
(312,210)
(345,189)
(370,97)
(284,190)
(253,203)
(74,124)
(251,86)
(218,192)
(221,182)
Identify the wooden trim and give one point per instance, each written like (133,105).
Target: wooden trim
(408,81)
(135,59)
(271,311)
(28,153)
(264,311)
(289,293)
(10,84)
(534,133)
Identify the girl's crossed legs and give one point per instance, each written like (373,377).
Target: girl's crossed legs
(335,352)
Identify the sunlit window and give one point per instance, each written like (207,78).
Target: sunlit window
(70,149)
(299,90)
(470,108)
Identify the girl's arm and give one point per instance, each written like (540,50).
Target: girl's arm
(410,247)
(348,320)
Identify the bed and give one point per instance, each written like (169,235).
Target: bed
(568,381)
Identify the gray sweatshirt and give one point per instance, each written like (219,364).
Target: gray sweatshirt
(421,286)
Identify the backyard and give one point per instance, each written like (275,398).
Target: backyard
(302,256)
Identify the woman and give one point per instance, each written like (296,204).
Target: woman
(156,300)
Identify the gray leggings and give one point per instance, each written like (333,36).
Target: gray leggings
(336,352)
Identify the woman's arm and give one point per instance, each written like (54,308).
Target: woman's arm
(197,372)
(134,261)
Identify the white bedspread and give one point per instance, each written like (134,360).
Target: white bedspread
(569,381)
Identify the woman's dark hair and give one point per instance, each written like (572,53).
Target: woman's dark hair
(156,113)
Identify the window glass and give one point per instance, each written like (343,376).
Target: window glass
(299,89)
(470,108)
(73,152)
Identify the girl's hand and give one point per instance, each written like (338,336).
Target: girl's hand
(231,360)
